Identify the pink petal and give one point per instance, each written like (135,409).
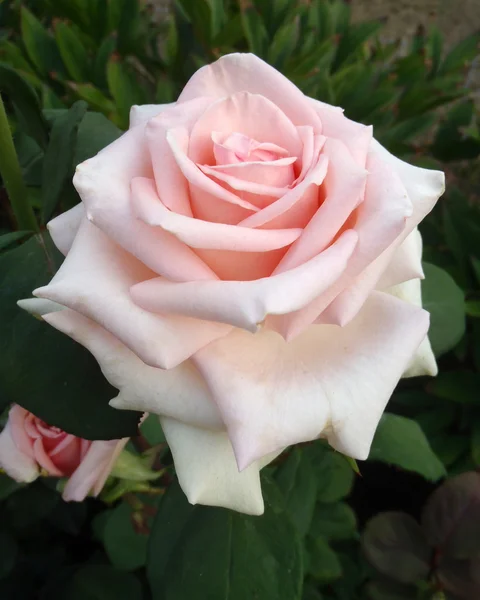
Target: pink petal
(344,186)
(95,280)
(205,234)
(43,459)
(67,454)
(172,187)
(251,115)
(380,219)
(296,207)
(18,465)
(209,200)
(330,382)
(246,72)
(103,183)
(247,303)
(16,417)
(179,393)
(242,266)
(92,468)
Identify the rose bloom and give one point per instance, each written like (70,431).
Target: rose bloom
(28,445)
(245,263)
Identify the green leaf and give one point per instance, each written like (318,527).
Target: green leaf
(461,54)
(134,468)
(395,545)
(40,45)
(105,51)
(197,552)
(72,51)
(449,447)
(335,477)
(125,545)
(401,442)
(458,386)
(254,30)
(102,582)
(475,442)
(445,302)
(58,165)
(152,430)
(94,133)
(451,517)
(356,35)
(26,102)
(8,486)
(298,483)
(8,239)
(65,386)
(95,98)
(472,308)
(123,88)
(390,590)
(334,521)
(8,553)
(324,563)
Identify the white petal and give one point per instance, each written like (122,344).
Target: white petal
(207,471)
(140,114)
(39,306)
(95,279)
(64,228)
(330,381)
(406,262)
(179,393)
(423,362)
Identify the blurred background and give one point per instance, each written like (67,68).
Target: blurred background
(410,68)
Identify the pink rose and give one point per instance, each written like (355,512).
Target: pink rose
(245,263)
(28,445)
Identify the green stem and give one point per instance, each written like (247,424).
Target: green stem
(12,177)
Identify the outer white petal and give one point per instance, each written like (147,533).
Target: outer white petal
(95,279)
(423,363)
(39,306)
(64,228)
(330,381)
(179,393)
(207,470)
(16,464)
(140,114)
(406,262)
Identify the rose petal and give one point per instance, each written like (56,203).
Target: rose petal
(16,417)
(95,279)
(103,183)
(209,200)
(423,362)
(251,115)
(379,221)
(13,461)
(247,303)
(179,393)
(204,234)
(239,72)
(64,228)
(356,137)
(207,471)
(406,262)
(141,114)
(344,185)
(330,381)
(93,470)
(43,459)
(171,184)
(38,306)
(296,207)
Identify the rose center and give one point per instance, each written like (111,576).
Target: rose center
(236,148)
